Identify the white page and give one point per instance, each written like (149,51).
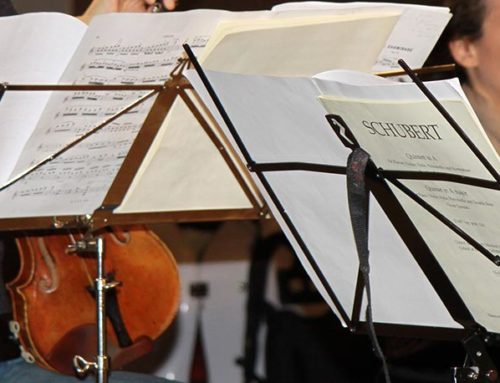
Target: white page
(278,120)
(35,49)
(283,131)
(348,6)
(317,204)
(368,86)
(412,39)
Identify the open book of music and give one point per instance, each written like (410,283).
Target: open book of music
(183,170)
(423,273)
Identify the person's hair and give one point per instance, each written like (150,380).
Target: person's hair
(466,22)
(467,19)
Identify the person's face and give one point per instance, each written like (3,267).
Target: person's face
(481,57)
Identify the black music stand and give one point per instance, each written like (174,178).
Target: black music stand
(473,335)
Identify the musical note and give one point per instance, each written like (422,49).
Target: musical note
(198,41)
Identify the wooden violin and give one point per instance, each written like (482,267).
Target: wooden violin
(54,307)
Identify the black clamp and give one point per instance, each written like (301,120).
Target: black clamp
(479,367)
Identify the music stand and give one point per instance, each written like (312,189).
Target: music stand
(472,334)
(103,216)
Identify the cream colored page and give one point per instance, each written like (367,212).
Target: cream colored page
(415,134)
(184,171)
(475,211)
(411,136)
(412,39)
(303,50)
(35,49)
(284,20)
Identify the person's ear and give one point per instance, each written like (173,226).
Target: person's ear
(464,52)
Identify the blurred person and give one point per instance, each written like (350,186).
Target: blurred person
(474,43)
(97,7)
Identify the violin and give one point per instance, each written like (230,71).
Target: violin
(54,307)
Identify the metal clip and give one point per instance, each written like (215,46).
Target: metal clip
(83,246)
(82,366)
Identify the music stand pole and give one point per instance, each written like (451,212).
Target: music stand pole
(100,287)
(101,364)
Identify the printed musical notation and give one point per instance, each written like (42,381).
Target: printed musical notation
(58,191)
(128,79)
(122,66)
(82,175)
(98,110)
(113,127)
(198,41)
(170,44)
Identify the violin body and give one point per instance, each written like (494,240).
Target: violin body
(55,309)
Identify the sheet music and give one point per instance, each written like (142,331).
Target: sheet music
(279,121)
(289,48)
(412,135)
(412,39)
(472,209)
(117,49)
(23,38)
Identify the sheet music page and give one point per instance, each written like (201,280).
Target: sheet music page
(188,170)
(412,39)
(300,46)
(416,136)
(51,38)
(402,134)
(278,120)
(117,49)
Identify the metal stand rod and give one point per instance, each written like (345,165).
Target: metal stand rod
(101,364)
(101,286)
